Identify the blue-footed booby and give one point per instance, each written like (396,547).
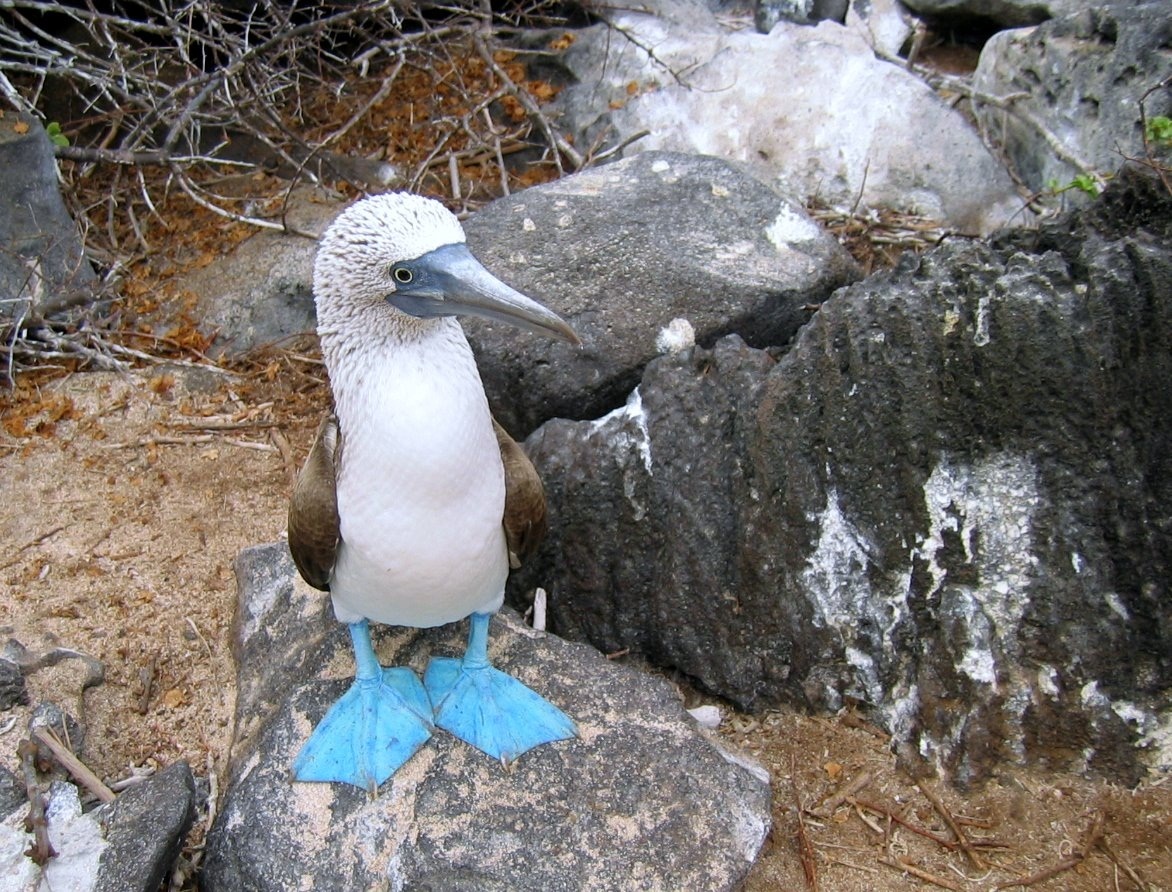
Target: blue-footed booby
(413,502)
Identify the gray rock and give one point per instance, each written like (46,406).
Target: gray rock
(623,250)
(12,685)
(13,794)
(263,292)
(767,13)
(1009,13)
(42,265)
(884,24)
(63,724)
(145,828)
(1083,76)
(644,797)
(704,86)
(950,500)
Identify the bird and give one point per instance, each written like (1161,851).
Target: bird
(413,502)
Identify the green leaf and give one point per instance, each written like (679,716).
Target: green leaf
(53,131)
(1160,129)
(1084,182)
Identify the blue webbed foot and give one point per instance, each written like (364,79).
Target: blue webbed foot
(373,729)
(488,709)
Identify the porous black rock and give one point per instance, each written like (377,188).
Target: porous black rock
(145,829)
(950,500)
(13,691)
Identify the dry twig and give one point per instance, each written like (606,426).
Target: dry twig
(918,872)
(176,99)
(17,554)
(805,848)
(1090,839)
(903,822)
(827,808)
(961,838)
(71,763)
(1132,874)
(41,850)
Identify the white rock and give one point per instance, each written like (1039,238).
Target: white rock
(76,839)
(707,716)
(677,335)
(828,127)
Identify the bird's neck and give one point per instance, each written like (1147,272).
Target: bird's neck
(383,376)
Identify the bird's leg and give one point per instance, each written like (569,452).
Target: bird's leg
(476,653)
(374,728)
(487,708)
(366,665)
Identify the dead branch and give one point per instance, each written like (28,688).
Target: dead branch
(827,808)
(71,763)
(560,145)
(196,94)
(1090,838)
(41,851)
(805,848)
(961,837)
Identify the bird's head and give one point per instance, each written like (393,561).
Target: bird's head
(404,257)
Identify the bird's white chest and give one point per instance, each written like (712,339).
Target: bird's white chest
(420,487)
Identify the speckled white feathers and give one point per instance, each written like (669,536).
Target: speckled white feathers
(420,484)
(352,272)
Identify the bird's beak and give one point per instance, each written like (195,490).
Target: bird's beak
(449,281)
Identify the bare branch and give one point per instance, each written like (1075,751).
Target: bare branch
(211,103)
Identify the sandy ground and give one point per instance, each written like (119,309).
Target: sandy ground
(129,496)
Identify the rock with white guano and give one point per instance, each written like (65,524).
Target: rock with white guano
(950,501)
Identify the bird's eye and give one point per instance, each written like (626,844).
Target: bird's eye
(402,275)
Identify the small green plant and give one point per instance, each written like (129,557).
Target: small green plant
(1087,183)
(53,131)
(1159,130)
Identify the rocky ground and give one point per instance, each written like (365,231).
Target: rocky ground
(130,496)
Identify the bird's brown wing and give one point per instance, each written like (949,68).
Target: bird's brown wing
(524,500)
(313,511)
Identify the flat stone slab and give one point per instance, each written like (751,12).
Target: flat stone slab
(643,799)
